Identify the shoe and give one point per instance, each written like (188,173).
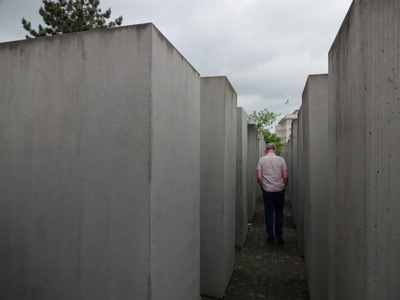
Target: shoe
(270,241)
(280,241)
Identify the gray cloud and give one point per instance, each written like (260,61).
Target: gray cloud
(266,48)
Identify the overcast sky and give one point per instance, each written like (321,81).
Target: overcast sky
(266,48)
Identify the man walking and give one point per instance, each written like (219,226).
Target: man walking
(272,176)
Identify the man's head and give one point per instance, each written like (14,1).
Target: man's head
(270,148)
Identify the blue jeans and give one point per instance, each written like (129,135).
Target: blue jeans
(274,201)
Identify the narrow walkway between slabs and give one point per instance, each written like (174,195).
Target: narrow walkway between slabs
(264,271)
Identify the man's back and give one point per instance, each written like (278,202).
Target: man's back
(272,167)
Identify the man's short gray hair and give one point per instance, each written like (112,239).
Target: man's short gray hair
(270,146)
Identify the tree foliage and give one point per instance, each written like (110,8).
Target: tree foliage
(66,16)
(270,137)
(264,120)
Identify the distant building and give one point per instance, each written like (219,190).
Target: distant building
(283,129)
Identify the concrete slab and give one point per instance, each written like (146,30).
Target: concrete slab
(218,180)
(253,156)
(299,184)
(241,179)
(293,173)
(364,126)
(260,152)
(93,125)
(315,184)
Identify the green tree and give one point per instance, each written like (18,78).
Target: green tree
(264,120)
(66,16)
(271,137)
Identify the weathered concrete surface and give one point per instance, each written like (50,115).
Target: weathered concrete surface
(218,180)
(315,184)
(253,156)
(300,183)
(292,171)
(92,126)
(261,145)
(288,159)
(241,178)
(284,153)
(260,153)
(364,127)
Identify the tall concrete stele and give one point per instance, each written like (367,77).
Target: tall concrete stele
(92,126)
(253,156)
(348,170)
(241,226)
(314,184)
(364,132)
(218,184)
(293,173)
(299,183)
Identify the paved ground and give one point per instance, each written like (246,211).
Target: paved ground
(265,271)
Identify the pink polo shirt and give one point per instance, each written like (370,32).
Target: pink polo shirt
(271,167)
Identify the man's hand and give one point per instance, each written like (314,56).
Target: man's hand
(285,177)
(259,178)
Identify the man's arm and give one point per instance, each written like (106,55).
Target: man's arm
(259,178)
(285,177)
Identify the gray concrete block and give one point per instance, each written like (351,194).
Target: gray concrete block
(364,126)
(299,184)
(261,152)
(261,145)
(218,180)
(284,153)
(99,152)
(315,184)
(253,156)
(241,178)
(288,160)
(293,172)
